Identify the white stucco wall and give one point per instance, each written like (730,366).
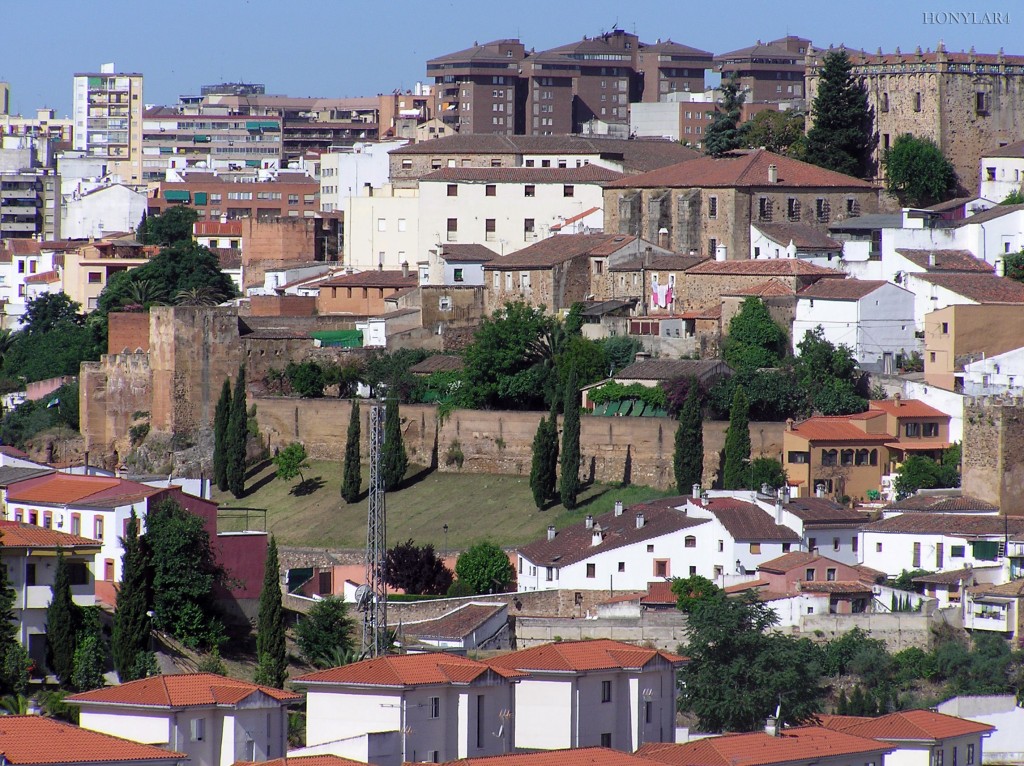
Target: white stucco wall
(386,222)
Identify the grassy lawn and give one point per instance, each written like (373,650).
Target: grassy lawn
(474,506)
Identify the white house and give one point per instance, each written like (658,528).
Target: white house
(470,626)
(464,264)
(1001,711)
(21,260)
(30,740)
(415,707)
(1002,172)
(794,240)
(593,693)
(875,319)
(112,207)
(995,608)
(934,291)
(381,228)
(214,720)
(824,525)
(346,172)
(1001,374)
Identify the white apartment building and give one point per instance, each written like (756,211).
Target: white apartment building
(107,112)
(382,228)
(350,171)
(100,211)
(1002,172)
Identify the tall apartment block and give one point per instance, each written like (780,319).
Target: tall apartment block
(108,120)
(478,88)
(768,72)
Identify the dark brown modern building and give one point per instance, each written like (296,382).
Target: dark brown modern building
(214,196)
(669,67)
(772,71)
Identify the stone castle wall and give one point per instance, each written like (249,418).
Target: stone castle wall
(992,468)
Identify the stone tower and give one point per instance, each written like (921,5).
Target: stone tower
(993,452)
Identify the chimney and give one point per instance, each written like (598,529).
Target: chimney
(405,269)
(597,537)
(695,492)
(588,522)
(789,424)
(648,253)
(639,521)
(85,462)
(380,266)
(778,510)
(771,726)
(551,533)
(693,252)
(931,259)
(618,507)
(819,490)
(896,399)
(773,174)
(721,253)
(663,238)
(1000,267)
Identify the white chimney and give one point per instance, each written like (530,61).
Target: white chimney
(931,259)
(778,511)
(618,507)
(405,269)
(721,253)
(771,726)
(639,521)
(1000,267)
(819,490)
(597,537)
(589,522)
(695,492)
(773,174)
(551,533)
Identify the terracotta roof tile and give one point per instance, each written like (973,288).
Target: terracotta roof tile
(1015,150)
(913,725)
(373,278)
(186,690)
(745,521)
(404,670)
(217,228)
(437,363)
(66,488)
(980,288)
(959,524)
(836,429)
(457,624)
(560,248)
(906,408)
(670,369)
(994,212)
(304,760)
(946,260)
(789,561)
(821,510)
(1013,589)
(33,739)
(659,592)
(14,534)
(584,174)
(835,586)
(841,289)
(772,288)
(803,744)
(43,278)
(574,218)
(744,169)
(676,262)
(582,656)
(804,237)
(584,756)
(965,575)
(775,267)
(942,503)
(467,253)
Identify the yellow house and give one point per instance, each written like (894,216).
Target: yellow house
(88,268)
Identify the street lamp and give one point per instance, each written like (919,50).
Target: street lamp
(445,528)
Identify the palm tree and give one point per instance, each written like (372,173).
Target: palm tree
(143,292)
(14,704)
(6,341)
(197,296)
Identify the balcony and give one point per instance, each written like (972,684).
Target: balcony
(987,619)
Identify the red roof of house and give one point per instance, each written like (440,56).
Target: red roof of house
(804,237)
(946,260)
(575,218)
(745,521)
(841,289)
(43,278)
(659,592)
(980,288)
(186,690)
(906,408)
(217,228)
(57,488)
(560,248)
(805,743)
(913,725)
(582,656)
(774,267)
(33,739)
(772,288)
(14,534)
(304,760)
(836,428)
(584,756)
(742,169)
(373,278)
(404,670)
(583,174)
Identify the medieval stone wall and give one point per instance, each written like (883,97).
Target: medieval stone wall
(992,468)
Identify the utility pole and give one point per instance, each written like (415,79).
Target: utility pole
(375,616)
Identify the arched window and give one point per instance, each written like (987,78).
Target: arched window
(829,456)
(846,457)
(874,457)
(690,541)
(863,457)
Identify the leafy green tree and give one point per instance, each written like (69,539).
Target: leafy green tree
(841,137)
(1013,265)
(735,472)
(171,226)
(755,340)
(41,356)
(921,472)
(50,311)
(394,460)
(325,632)
(221,418)
(688,458)
(416,569)
(1015,197)
(917,172)
(778,132)
(620,351)
(739,671)
(693,589)
(271,654)
(767,471)
(345,376)
(13,658)
(306,379)
(352,483)
(828,375)
(290,461)
(723,134)
(90,653)
(184,573)
(130,637)
(197,295)
(485,568)
(391,368)
(544,468)
(576,354)
(62,622)
(237,437)
(569,485)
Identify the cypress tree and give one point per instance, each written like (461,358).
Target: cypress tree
(352,484)
(272,658)
(736,472)
(570,483)
(688,460)
(723,134)
(130,637)
(551,475)
(542,476)
(840,138)
(220,433)
(237,436)
(10,656)
(61,624)
(393,458)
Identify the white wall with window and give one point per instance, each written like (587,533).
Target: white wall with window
(381,229)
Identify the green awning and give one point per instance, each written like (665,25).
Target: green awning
(200,198)
(613,408)
(252,163)
(341,338)
(262,125)
(166,150)
(177,195)
(200,139)
(985,550)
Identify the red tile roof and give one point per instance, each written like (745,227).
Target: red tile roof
(304,760)
(584,756)
(994,212)
(669,369)
(836,429)
(14,534)
(217,228)
(373,278)
(913,725)
(582,656)
(455,625)
(437,363)
(836,586)
(789,561)
(404,670)
(659,592)
(33,739)
(841,289)
(58,488)
(742,170)
(946,260)
(1016,150)
(775,267)
(745,521)
(584,174)
(958,524)
(186,690)
(574,218)
(819,510)
(943,503)
(467,253)
(906,408)
(657,262)
(773,288)
(804,237)
(980,288)
(560,248)
(43,278)
(806,743)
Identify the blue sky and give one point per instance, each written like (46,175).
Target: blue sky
(314,47)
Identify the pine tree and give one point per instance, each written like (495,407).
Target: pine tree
(352,483)
(272,657)
(723,134)
(570,484)
(735,472)
(237,436)
(220,433)
(62,622)
(688,460)
(394,461)
(540,482)
(551,475)
(130,637)
(842,704)
(841,136)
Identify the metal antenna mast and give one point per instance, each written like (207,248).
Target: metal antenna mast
(375,602)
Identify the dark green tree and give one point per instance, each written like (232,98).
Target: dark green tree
(544,467)
(767,471)
(723,134)
(13,659)
(173,225)
(917,172)
(352,482)
(50,311)
(62,622)
(735,471)
(755,340)
(394,460)
(130,637)
(921,472)
(485,568)
(90,656)
(1013,265)
(271,654)
(237,437)
(693,589)
(688,458)
(221,418)
(778,132)
(841,137)
(326,633)
(828,375)
(306,378)
(416,569)
(569,485)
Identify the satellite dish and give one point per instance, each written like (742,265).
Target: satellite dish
(363,597)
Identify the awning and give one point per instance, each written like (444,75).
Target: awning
(252,163)
(200,198)
(177,195)
(918,446)
(262,125)
(200,139)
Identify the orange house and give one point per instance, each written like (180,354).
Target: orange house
(362,294)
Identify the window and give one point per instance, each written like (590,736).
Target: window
(862,457)
(690,541)
(48,519)
(382,224)
(661,568)
(764,209)
(434,164)
(970,755)
(929,430)
(812,544)
(712,246)
(829,457)
(885,102)
(480,718)
(529,190)
(490,229)
(401,224)
(490,190)
(939,756)
(917,101)
(912,430)
(198,729)
(95,277)
(712,207)
(524,280)
(458,275)
(528,228)
(648,711)
(568,190)
(650,549)
(606,691)
(721,546)
(835,543)
(435,707)
(755,548)
(981,103)
(76,523)
(822,210)
(622,566)
(957,552)
(30,574)
(606,739)
(846,457)
(786,547)
(917,555)
(98,528)
(453,190)
(830,574)
(453,229)
(78,573)
(799,458)
(878,547)
(809,575)
(591,570)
